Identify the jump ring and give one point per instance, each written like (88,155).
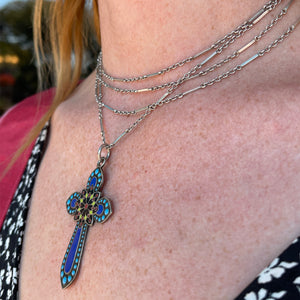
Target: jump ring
(103,158)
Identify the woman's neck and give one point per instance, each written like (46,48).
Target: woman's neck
(140,37)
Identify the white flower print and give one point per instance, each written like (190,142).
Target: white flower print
(8,274)
(263,295)
(43,134)
(275,270)
(8,221)
(27,179)
(6,246)
(36,149)
(13,227)
(297,283)
(14,275)
(7,253)
(2,272)
(20,221)
(277,295)
(297,280)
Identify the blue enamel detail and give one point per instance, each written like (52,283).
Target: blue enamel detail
(100,209)
(73,202)
(93,181)
(72,252)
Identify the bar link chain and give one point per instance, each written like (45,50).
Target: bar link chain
(220,45)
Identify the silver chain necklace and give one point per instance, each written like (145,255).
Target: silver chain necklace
(188,76)
(89,206)
(192,74)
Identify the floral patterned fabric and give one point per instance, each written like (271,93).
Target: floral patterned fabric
(280,280)
(12,231)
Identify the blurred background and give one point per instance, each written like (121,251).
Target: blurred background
(18,78)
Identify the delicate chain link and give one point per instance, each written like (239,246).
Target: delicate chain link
(220,45)
(197,67)
(192,73)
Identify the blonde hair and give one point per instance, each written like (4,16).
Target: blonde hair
(61,29)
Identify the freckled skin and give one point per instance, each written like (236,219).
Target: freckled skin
(222,209)
(205,192)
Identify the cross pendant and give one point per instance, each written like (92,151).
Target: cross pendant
(87,207)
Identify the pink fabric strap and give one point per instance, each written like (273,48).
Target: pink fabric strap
(14,126)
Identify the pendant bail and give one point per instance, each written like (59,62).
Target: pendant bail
(103,157)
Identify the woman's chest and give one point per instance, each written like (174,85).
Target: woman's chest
(197,219)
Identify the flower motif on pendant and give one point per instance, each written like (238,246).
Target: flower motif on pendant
(89,206)
(86,207)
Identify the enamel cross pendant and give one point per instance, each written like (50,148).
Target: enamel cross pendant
(88,207)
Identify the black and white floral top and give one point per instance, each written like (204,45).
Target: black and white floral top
(12,231)
(280,280)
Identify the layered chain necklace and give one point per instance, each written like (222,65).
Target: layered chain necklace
(89,206)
